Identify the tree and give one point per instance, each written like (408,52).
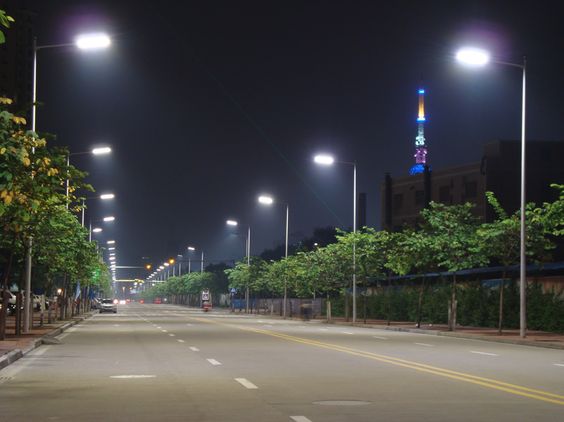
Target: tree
(5,21)
(454,242)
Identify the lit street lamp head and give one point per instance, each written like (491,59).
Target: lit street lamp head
(111,218)
(101,150)
(231,223)
(166,264)
(473,56)
(106,196)
(191,248)
(324,159)
(265,200)
(96,230)
(111,242)
(98,41)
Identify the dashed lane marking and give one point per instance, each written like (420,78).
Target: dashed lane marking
(246,383)
(180,340)
(424,344)
(214,362)
(380,338)
(132,376)
(172,335)
(194,349)
(483,353)
(300,419)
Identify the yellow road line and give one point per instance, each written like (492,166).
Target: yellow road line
(460,376)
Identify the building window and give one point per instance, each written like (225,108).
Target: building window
(398,202)
(471,189)
(419,197)
(444,195)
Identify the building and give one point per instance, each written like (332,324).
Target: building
(498,171)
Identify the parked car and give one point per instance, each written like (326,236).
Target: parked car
(108,305)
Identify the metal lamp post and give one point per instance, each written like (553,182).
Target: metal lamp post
(328,160)
(479,57)
(269,200)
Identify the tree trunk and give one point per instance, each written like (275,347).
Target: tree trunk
(452,319)
(420,303)
(501,289)
(4,298)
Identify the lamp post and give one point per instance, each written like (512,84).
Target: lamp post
(328,160)
(235,223)
(479,57)
(95,151)
(103,197)
(190,249)
(83,42)
(105,220)
(269,200)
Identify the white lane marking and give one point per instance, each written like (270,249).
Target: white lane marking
(424,344)
(380,338)
(116,325)
(213,362)
(324,329)
(194,349)
(559,364)
(71,330)
(246,383)
(347,332)
(172,335)
(164,331)
(483,353)
(180,340)
(132,376)
(260,321)
(189,325)
(300,419)
(267,325)
(159,327)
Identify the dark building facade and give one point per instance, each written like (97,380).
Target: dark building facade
(499,171)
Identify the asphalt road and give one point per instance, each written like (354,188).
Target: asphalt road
(169,363)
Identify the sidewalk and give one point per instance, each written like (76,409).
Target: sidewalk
(14,347)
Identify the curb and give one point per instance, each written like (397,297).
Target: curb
(16,354)
(465,336)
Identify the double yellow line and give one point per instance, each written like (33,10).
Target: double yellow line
(447,373)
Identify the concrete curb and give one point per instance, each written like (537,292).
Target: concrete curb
(465,336)
(16,354)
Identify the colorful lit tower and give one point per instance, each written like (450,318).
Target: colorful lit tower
(420,147)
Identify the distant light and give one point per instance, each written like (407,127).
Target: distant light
(109,218)
(93,41)
(107,196)
(191,248)
(112,258)
(101,150)
(231,223)
(171,261)
(96,230)
(473,56)
(266,200)
(112,249)
(111,242)
(421,119)
(421,91)
(324,159)
(166,264)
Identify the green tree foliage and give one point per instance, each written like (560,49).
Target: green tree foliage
(5,21)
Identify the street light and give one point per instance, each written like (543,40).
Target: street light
(110,218)
(234,223)
(29,243)
(96,230)
(269,200)
(106,196)
(477,57)
(328,160)
(95,41)
(95,151)
(103,197)
(111,242)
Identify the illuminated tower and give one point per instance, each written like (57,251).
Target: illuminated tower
(420,147)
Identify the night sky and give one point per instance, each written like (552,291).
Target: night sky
(209,103)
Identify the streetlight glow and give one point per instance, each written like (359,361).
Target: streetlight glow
(110,218)
(166,264)
(266,200)
(473,56)
(111,242)
(191,248)
(112,249)
(101,150)
(96,230)
(106,196)
(93,41)
(324,159)
(231,223)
